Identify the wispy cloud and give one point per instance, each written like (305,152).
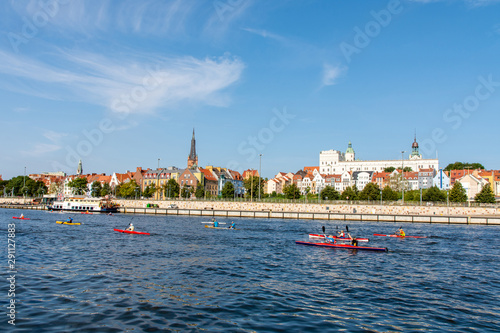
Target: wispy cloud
(133,84)
(55,137)
(153,17)
(41,149)
(265,34)
(331,74)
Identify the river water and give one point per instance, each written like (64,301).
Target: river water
(187,278)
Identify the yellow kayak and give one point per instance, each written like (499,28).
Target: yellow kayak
(69,223)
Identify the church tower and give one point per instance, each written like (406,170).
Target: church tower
(349,153)
(79,171)
(192,158)
(415,154)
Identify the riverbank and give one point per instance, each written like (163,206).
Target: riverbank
(345,212)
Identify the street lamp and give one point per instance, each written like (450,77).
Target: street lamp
(260,172)
(24,185)
(381,197)
(403,176)
(158,180)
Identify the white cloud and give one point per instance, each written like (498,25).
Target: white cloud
(331,74)
(41,149)
(265,34)
(54,136)
(134,84)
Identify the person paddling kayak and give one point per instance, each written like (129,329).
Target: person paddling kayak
(22,216)
(232,226)
(330,239)
(70,220)
(130,227)
(400,232)
(216,224)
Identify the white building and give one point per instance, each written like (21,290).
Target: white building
(336,162)
(361,178)
(441,180)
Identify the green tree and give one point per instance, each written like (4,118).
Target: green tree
(458,193)
(128,190)
(388,194)
(171,189)
(3,185)
(434,194)
(200,192)
(350,193)
(251,185)
(228,190)
(412,195)
(463,166)
(486,195)
(389,169)
(186,192)
(106,189)
(407,169)
(291,191)
(96,189)
(329,193)
(371,191)
(150,190)
(78,185)
(23,185)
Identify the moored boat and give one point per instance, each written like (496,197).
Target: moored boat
(84,204)
(343,246)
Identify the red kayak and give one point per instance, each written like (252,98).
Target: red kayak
(398,236)
(20,218)
(343,246)
(338,238)
(132,232)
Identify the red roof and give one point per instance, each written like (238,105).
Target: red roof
(311,168)
(236,175)
(208,174)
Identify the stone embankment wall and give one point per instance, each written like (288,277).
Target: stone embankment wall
(316,208)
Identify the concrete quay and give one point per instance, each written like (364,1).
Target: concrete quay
(343,212)
(328,211)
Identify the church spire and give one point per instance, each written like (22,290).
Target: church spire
(79,171)
(192,158)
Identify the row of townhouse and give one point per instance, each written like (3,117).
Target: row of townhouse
(211,179)
(310,180)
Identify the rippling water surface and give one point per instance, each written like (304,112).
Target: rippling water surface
(185,277)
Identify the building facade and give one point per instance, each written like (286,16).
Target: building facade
(337,162)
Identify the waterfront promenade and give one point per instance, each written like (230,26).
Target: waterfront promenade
(312,211)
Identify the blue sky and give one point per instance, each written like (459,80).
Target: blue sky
(121,84)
